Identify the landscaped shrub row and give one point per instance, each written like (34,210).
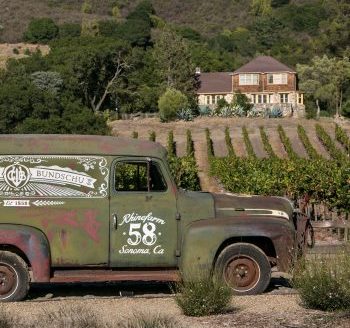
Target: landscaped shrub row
(286,143)
(266,143)
(248,144)
(326,181)
(311,151)
(228,142)
(342,137)
(327,141)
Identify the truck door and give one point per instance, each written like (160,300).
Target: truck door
(143,225)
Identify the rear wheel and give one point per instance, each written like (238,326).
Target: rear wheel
(14,277)
(245,268)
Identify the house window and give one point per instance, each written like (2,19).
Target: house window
(262,99)
(208,100)
(284,98)
(248,79)
(300,98)
(281,78)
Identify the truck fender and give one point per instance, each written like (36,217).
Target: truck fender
(33,244)
(202,239)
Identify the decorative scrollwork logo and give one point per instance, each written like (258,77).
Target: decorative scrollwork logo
(16,175)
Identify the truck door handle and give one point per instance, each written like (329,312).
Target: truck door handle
(115,221)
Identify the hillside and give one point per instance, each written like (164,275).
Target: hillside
(208,17)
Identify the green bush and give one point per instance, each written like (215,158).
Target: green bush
(210,146)
(189,144)
(200,294)
(324,284)
(248,144)
(134,134)
(171,102)
(185,172)
(41,30)
(228,141)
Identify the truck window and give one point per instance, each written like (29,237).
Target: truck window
(133,176)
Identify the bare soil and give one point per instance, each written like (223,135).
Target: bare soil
(17,51)
(266,310)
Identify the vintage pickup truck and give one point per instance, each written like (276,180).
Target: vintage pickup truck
(94,208)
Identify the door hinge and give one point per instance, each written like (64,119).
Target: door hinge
(177,253)
(178,216)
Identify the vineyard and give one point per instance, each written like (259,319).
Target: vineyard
(269,157)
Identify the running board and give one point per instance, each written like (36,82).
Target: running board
(109,275)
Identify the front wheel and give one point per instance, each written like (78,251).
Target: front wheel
(14,277)
(245,268)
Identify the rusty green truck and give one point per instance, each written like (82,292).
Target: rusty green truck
(93,208)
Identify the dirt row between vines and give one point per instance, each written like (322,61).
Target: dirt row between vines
(217,127)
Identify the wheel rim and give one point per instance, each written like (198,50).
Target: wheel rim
(8,280)
(242,273)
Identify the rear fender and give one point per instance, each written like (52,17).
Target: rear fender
(203,239)
(33,244)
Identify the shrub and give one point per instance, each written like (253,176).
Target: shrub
(185,114)
(171,102)
(41,30)
(286,143)
(324,284)
(15,51)
(134,134)
(143,320)
(201,294)
(266,143)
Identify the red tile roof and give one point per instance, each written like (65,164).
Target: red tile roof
(216,82)
(264,64)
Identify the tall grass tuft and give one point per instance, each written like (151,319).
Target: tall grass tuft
(143,320)
(200,294)
(70,317)
(324,284)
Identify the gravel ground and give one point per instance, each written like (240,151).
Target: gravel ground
(266,310)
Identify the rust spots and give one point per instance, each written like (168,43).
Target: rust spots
(91,225)
(63,237)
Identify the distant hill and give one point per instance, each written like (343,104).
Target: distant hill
(207,16)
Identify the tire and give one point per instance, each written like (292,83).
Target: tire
(245,268)
(14,277)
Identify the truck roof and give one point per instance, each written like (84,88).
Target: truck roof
(57,144)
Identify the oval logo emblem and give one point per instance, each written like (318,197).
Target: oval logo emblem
(16,175)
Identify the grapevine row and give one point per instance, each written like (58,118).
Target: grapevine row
(248,144)
(286,143)
(311,151)
(266,143)
(342,137)
(328,143)
(228,142)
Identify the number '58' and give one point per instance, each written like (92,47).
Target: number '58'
(148,238)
